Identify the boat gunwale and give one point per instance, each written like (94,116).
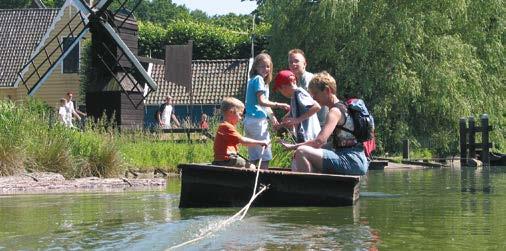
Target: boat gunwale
(288,172)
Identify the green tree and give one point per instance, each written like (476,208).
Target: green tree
(232,21)
(209,41)
(53,3)
(419,65)
(199,16)
(156,11)
(14,4)
(152,39)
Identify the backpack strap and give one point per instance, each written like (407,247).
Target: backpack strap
(335,134)
(344,110)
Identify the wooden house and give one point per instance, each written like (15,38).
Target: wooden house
(22,32)
(116,81)
(212,81)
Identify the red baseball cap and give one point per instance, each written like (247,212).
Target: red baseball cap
(284,77)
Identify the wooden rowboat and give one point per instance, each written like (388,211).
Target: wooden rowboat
(204,185)
(497,159)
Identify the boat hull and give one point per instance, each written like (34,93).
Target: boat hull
(217,186)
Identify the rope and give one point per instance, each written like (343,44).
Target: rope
(241,212)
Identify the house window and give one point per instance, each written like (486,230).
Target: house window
(71,61)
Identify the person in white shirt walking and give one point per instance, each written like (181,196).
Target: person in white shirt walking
(71,111)
(165,114)
(63,113)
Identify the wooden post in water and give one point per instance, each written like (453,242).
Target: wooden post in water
(472,139)
(405,149)
(485,156)
(463,141)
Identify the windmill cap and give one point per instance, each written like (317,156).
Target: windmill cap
(284,77)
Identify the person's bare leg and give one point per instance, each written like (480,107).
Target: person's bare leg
(308,159)
(300,163)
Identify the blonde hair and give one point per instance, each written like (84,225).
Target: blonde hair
(230,103)
(259,58)
(297,51)
(321,80)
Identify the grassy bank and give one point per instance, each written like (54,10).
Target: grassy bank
(147,152)
(32,139)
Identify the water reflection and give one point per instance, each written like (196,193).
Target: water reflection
(274,228)
(475,180)
(435,209)
(72,221)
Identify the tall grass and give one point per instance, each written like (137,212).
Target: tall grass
(13,132)
(31,139)
(146,151)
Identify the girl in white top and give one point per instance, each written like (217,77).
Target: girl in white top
(258,108)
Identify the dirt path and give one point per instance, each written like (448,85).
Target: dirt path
(44,182)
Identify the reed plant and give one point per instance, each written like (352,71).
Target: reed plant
(31,139)
(12,135)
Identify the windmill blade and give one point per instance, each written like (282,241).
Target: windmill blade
(83,6)
(51,52)
(129,13)
(102,6)
(130,56)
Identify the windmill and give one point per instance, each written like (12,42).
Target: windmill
(119,82)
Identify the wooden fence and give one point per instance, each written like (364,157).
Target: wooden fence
(468,144)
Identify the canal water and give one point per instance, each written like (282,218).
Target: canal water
(433,209)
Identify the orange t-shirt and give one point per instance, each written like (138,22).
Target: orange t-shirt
(226,141)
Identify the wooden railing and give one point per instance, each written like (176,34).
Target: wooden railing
(189,131)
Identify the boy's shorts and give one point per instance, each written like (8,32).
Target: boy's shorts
(235,160)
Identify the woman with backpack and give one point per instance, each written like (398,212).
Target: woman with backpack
(347,155)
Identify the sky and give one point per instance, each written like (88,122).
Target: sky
(219,7)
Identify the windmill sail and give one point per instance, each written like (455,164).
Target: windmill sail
(45,59)
(131,77)
(143,75)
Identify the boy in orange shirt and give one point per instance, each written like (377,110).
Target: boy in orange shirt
(227,138)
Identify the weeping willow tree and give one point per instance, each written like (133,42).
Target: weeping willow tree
(420,65)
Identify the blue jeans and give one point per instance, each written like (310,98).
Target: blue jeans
(350,160)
